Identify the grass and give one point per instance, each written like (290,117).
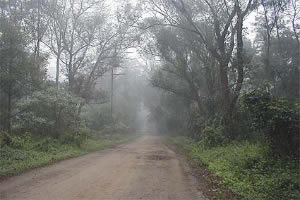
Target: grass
(244,169)
(28,152)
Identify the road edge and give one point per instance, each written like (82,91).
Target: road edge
(55,161)
(207,182)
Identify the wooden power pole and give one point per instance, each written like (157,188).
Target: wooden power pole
(112,92)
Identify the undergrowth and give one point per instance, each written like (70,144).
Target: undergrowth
(27,152)
(245,169)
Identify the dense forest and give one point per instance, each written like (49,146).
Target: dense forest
(219,80)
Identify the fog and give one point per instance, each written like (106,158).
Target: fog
(148,80)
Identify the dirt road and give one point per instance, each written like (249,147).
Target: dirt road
(143,169)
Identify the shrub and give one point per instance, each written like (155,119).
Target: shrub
(47,144)
(96,116)
(244,169)
(118,128)
(5,139)
(50,112)
(15,141)
(277,118)
(212,136)
(80,136)
(76,137)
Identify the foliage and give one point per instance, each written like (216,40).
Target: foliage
(28,151)
(279,120)
(170,114)
(114,129)
(96,116)
(244,169)
(78,137)
(18,74)
(14,141)
(49,112)
(5,139)
(212,136)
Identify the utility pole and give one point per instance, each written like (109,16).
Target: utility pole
(112,94)
(112,90)
(114,65)
(38,30)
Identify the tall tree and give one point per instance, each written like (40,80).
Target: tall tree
(225,19)
(16,70)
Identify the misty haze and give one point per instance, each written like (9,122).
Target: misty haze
(149,99)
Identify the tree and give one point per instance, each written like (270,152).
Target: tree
(16,70)
(278,47)
(186,63)
(225,21)
(50,112)
(84,39)
(27,14)
(56,12)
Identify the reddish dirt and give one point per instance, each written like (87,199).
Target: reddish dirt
(143,169)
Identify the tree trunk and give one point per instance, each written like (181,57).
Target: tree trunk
(71,72)
(268,67)
(38,30)
(229,118)
(226,101)
(225,91)
(9,100)
(9,109)
(112,94)
(240,58)
(295,33)
(57,68)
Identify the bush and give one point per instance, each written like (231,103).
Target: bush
(5,139)
(118,128)
(96,116)
(47,144)
(277,118)
(80,136)
(14,141)
(244,169)
(76,137)
(50,112)
(212,136)
(35,151)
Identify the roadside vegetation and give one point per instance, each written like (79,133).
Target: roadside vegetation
(244,169)
(225,77)
(75,108)
(228,99)
(20,153)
